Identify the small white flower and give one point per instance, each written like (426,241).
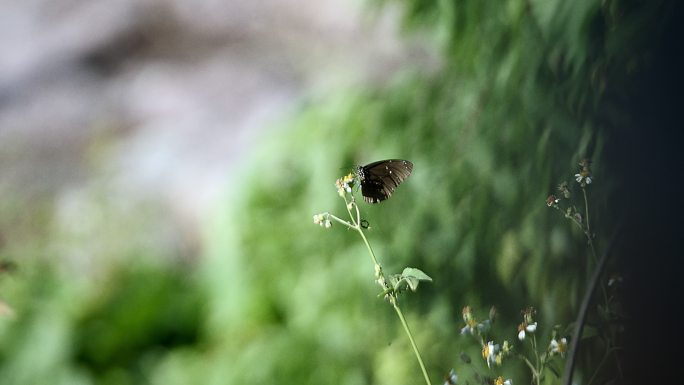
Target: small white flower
(489,353)
(451,378)
(521,335)
(524,328)
(583,177)
(322,220)
(559,347)
(344,184)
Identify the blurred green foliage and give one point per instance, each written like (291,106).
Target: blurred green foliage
(522,93)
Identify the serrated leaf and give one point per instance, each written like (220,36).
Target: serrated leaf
(415,273)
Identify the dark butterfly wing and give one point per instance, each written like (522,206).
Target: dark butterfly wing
(380,179)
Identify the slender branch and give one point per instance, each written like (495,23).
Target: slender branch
(356,225)
(532,368)
(598,367)
(413,343)
(538,360)
(342,221)
(586,211)
(590,239)
(368,246)
(582,316)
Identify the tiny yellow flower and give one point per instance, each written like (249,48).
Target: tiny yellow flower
(559,347)
(470,321)
(489,353)
(344,184)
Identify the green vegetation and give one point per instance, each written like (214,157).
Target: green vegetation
(525,90)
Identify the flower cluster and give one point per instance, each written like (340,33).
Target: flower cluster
(494,353)
(551,200)
(471,324)
(323,220)
(500,381)
(345,184)
(470,321)
(528,325)
(584,176)
(491,352)
(558,346)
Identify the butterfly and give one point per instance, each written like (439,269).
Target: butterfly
(379,179)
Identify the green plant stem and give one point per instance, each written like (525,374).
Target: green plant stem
(342,221)
(410,336)
(535,374)
(590,239)
(603,361)
(356,225)
(368,246)
(584,307)
(538,361)
(586,211)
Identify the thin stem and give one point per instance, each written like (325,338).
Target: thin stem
(586,209)
(603,288)
(342,221)
(582,316)
(535,374)
(590,239)
(356,225)
(603,361)
(410,336)
(587,232)
(538,361)
(368,246)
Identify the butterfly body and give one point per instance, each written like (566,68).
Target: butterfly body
(379,179)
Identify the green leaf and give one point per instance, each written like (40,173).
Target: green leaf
(394,280)
(415,273)
(553,370)
(398,286)
(412,282)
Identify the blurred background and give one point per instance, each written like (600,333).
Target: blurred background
(161,161)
